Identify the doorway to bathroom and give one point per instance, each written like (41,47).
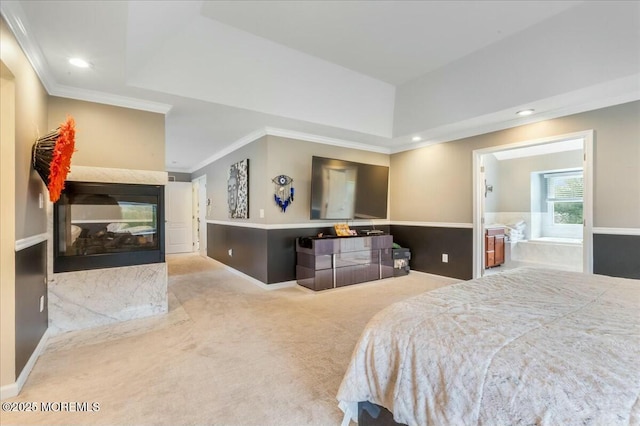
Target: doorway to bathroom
(533,204)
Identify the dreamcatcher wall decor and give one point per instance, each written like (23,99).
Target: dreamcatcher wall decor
(283,191)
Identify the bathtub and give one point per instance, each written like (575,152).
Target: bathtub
(558,253)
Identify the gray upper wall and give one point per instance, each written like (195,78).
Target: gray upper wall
(434,183)
(179,176)
(30,123)
(293,158)
(512,179)
(111,136)
(217,174)
(269,157)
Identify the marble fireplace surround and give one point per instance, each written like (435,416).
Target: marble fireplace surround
(85,299)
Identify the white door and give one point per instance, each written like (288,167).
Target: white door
(178,216)
(195,210)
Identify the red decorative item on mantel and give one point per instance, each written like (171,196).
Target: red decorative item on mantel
(52,157)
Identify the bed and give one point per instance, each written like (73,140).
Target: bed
(527,346)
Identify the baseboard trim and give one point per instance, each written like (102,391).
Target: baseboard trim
(277,286)
(427,274)
(9,391)
(256,282)
(365,283)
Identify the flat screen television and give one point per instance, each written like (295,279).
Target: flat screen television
(342,190)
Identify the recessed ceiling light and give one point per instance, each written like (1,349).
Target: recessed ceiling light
(525,112)
(416,138)
(80,63)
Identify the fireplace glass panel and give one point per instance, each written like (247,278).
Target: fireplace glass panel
(92,221)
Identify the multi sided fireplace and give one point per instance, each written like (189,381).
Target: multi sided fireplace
(106,225)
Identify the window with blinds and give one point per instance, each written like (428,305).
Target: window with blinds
(565,197)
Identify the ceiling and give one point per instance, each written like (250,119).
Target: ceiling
(364,74)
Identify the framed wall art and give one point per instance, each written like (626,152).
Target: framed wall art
(238,190)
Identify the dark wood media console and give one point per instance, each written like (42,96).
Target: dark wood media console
(330,262)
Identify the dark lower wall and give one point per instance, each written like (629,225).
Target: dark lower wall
(282,252)
(270,255)
(428,243)
(248,246)
(266,255)
(616,255)
(31,284)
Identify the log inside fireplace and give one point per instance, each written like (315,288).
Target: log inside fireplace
(105,225)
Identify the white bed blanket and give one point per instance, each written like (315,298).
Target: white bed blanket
(527,346)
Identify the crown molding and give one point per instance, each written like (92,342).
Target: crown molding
(272,131)
(245,140)
(599,96)
(108,99)
(16,20)
(627,89)
(447,133)
(284,133)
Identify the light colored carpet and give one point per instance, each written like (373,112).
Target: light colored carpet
(227,353)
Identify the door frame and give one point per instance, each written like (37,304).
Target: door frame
(478,195)
(201,182)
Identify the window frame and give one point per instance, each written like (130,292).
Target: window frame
(552,201)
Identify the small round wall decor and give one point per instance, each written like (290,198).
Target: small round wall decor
(283,191)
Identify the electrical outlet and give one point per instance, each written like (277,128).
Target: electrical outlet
(445,258)
(40,200)
(41,303)
(230,252)
(261,213)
